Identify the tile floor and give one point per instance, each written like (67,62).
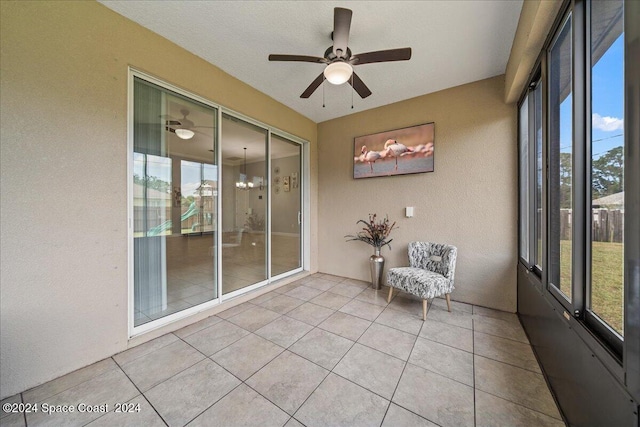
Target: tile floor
(322,351)
(190,270)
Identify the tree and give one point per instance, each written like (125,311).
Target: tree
(565,180)
(607,173)
(152,182)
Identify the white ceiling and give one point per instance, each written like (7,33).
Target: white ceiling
(453,43)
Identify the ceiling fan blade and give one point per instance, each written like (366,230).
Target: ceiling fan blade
(341,27)
(402,54)
(359,86)
(313,86)
(297,58)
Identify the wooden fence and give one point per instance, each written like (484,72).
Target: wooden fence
(607,225)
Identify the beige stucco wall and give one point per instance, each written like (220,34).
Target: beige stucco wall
(63,162)
(469,201)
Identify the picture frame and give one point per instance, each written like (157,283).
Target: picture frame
(402,151)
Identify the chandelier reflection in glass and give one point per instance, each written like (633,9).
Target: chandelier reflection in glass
(242,183)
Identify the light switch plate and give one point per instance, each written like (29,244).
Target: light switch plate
(408,211)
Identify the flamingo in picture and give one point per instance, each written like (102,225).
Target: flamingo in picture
(396,149)
(369,156)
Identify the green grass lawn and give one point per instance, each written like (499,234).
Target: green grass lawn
(607,276)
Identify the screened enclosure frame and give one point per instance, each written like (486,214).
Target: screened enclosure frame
(620,356)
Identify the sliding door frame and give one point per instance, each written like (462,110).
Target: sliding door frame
(304,200)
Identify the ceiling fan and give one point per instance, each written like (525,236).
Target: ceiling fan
(339,60)
(183,127)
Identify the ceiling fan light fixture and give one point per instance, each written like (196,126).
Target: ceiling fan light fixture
(184,133)
(338,72)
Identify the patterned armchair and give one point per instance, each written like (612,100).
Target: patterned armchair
(431,271)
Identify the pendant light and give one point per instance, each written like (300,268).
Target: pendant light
(242,183)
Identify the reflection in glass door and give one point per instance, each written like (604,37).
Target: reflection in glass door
(244,204)
(199,180)
(174,193)
(286,207)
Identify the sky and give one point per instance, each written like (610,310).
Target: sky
(607,103)
(607,99)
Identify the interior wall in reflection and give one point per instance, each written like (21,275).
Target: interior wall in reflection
(177,243)
(286,199)
(244,204)
(175,180)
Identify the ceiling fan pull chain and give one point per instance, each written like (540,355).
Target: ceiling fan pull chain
(352,89)
(323,80)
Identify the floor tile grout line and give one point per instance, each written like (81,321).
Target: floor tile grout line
(217,364)
(152,351)
(506,338)
(297,420)
(450,324)
(415,413)
(76,385)
(141,393)
(507,363)
(315,363)
(260,368)
(24,414)
(385,353)
(520,404)
(276,405)
(473,370)
(447,345)
(326,330)
(439,374)
(400,378)
(199,330)
(228,345)
(499,397)
(209,407)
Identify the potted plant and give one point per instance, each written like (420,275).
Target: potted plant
(376,234)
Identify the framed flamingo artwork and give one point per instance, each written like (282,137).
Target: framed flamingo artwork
(395,152)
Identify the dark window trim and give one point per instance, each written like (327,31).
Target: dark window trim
(632,196)
(552,288)
(609,337)
(580,198)
(627,369)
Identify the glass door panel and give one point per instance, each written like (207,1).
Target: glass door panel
(606,294)
(174,202)
(561,161)
(244,204)
(286,207)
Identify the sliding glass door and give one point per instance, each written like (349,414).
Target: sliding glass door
(244,204)
(286,205)
(210,219)
(175,200)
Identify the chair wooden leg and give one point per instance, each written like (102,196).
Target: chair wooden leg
(390,294)
(448,302)
(424,309)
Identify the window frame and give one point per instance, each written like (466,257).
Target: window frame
(304,183)
(621,358)
(591,319)
(555,289)
(529,96)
